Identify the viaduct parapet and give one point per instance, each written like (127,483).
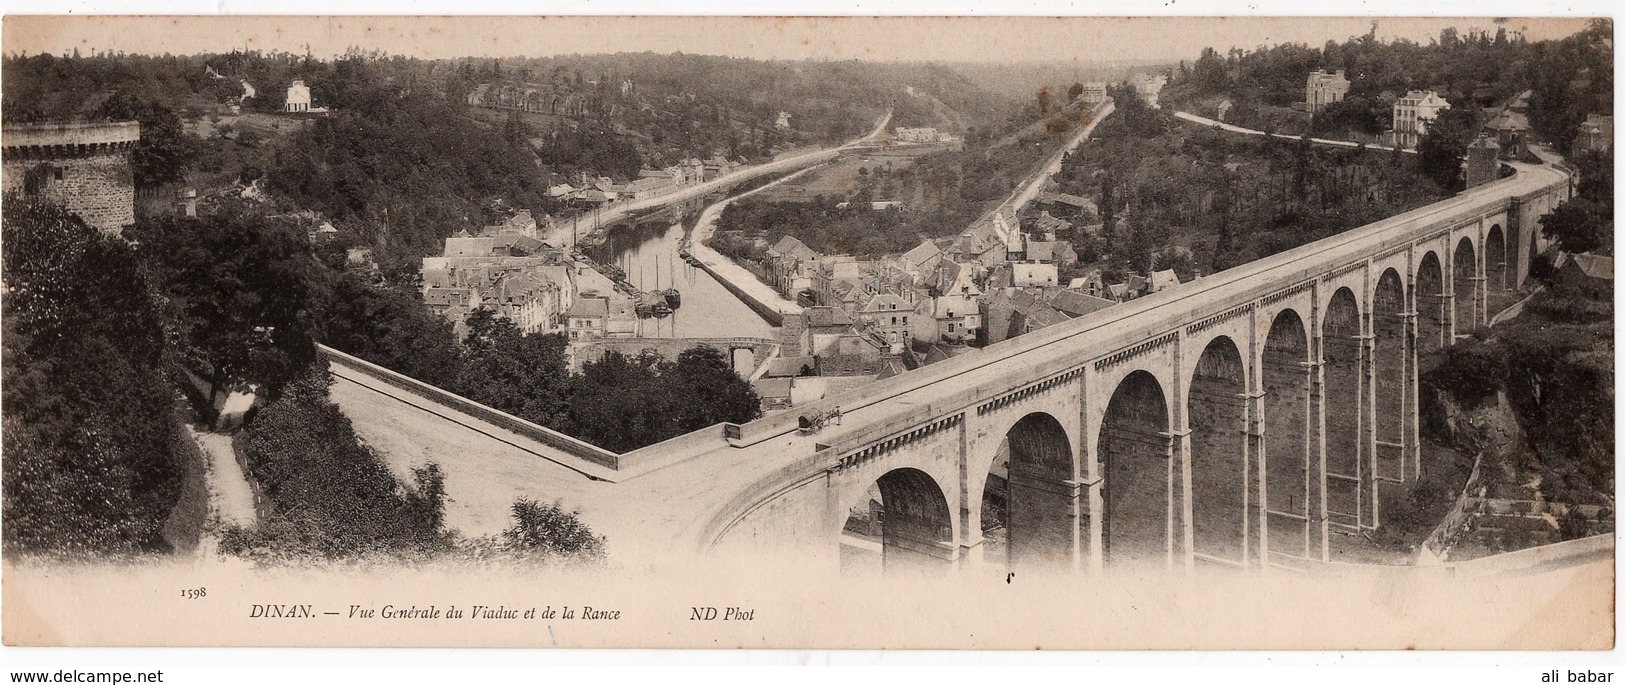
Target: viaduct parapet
(1252,419)
(85,167)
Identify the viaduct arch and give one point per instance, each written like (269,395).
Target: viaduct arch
(1240,421)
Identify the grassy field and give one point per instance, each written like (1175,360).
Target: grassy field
(841,176)
(538,122)
(263,125)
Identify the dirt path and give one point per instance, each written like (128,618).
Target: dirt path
(231,500)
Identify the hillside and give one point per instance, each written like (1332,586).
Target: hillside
(413,150)
(1569,78)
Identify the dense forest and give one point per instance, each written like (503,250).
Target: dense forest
(93,442)
(1569,78)
(1177,195)
(682,103)
(403,161)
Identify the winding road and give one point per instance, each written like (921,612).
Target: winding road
(564,233)
(1187,116)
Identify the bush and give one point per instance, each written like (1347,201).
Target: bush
(1471,372)
(330,496)
(1567,306)
(92,458)
(551,531)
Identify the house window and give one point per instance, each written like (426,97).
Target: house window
(894,321)
(905,321)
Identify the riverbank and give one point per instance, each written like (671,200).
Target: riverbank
(618,211)
(759,296)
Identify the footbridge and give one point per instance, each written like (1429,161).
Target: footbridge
(1241,420)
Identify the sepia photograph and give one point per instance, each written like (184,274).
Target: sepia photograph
(808,333)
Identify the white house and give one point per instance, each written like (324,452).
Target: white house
(1412,114)
(298,97)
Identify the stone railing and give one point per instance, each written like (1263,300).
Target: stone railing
(596,458)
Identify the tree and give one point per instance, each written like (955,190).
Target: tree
(1596,176)
(622,403)
(1135,114)
(1210,72)
(711,390)
(1354,114)
(239,286)
(1586,222)
(524,374)
(388,325)
(330,496)
(1445,144)
(551,530)
(1580,225)
(164,151)
(91,452)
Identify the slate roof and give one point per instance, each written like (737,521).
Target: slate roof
(1076,304)
(921,254)
(1163,279)
(1509,120)
(825,317)
(1595,266)
(887,302)
(1041,251)
(790,366)
(590,307)
(1042,315)
(1067,199)
(788,246)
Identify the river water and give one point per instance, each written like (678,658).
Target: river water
(648,254)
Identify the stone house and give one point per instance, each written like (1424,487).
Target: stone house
(792,266)
(588,318)
(1030,274)
(955,315)
(1323,88)
(1596,134)
(889,316)
(1412,113)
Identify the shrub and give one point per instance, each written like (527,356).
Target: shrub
(92,462)
(1471,371)
(551,531)
(330,495)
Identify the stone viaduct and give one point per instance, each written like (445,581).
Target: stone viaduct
(1240,420)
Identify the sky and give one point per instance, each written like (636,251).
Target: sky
(963,38)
